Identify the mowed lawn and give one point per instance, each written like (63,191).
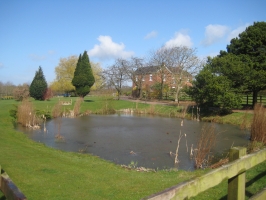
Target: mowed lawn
(45,173)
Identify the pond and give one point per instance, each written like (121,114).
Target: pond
(145,141)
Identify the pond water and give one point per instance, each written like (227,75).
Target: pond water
(145,140)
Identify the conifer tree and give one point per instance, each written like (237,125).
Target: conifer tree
(83,78)
(38,85)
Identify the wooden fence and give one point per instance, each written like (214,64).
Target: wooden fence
(9,189)
(234,172)
(247,99)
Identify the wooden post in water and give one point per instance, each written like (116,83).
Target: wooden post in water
(236,184)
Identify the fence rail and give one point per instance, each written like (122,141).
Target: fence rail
(247,99)
(9,189)
(234,172)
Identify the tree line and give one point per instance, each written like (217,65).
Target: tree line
(218,81)
(78,76)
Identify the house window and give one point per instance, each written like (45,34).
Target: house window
(136,78)
(150,77)
(164,77)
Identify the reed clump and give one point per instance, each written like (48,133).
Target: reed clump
(244,124)
(258,126)
(27,116)
(57,110)
(57,115)
(206,142)
(77,106)
(183,114)
(151,110)
(107,106)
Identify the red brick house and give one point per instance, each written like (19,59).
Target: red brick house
(172,77)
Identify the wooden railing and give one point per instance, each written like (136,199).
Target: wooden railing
(234,172)
(9,189)
(65,103)
(247,99)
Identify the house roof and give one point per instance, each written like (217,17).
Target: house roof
(147,70)
(154,69)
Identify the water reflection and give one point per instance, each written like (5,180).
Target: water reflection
(116,137)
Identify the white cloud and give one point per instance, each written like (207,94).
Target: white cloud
(181,38)
(214,33)
(107,49)
(150,35)
(234,33)
(36,57)
(51,52)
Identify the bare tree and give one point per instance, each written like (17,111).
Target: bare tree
(135,72)
(6,89)
(161,59)
(116,75)
(186,64)
(1,89)
(181,61)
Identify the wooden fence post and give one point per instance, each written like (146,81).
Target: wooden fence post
(0,176)
(236,184)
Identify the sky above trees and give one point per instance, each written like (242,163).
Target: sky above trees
(39,33)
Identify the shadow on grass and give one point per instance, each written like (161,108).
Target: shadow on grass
(223,198)
(248,194)
(84,101)
(253,180)
(2,197)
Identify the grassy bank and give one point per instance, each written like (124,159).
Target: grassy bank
(45,173)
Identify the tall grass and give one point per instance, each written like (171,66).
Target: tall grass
(57,110)
(258,127)
(106,105)
(206,142)
(26,114)
(57,115)
(77,106)
(246,122)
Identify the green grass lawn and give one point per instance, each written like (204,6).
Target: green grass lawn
(45,173)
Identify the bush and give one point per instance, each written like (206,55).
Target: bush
(21,92)
(7,97)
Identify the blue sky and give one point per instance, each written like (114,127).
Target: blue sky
(37,33)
